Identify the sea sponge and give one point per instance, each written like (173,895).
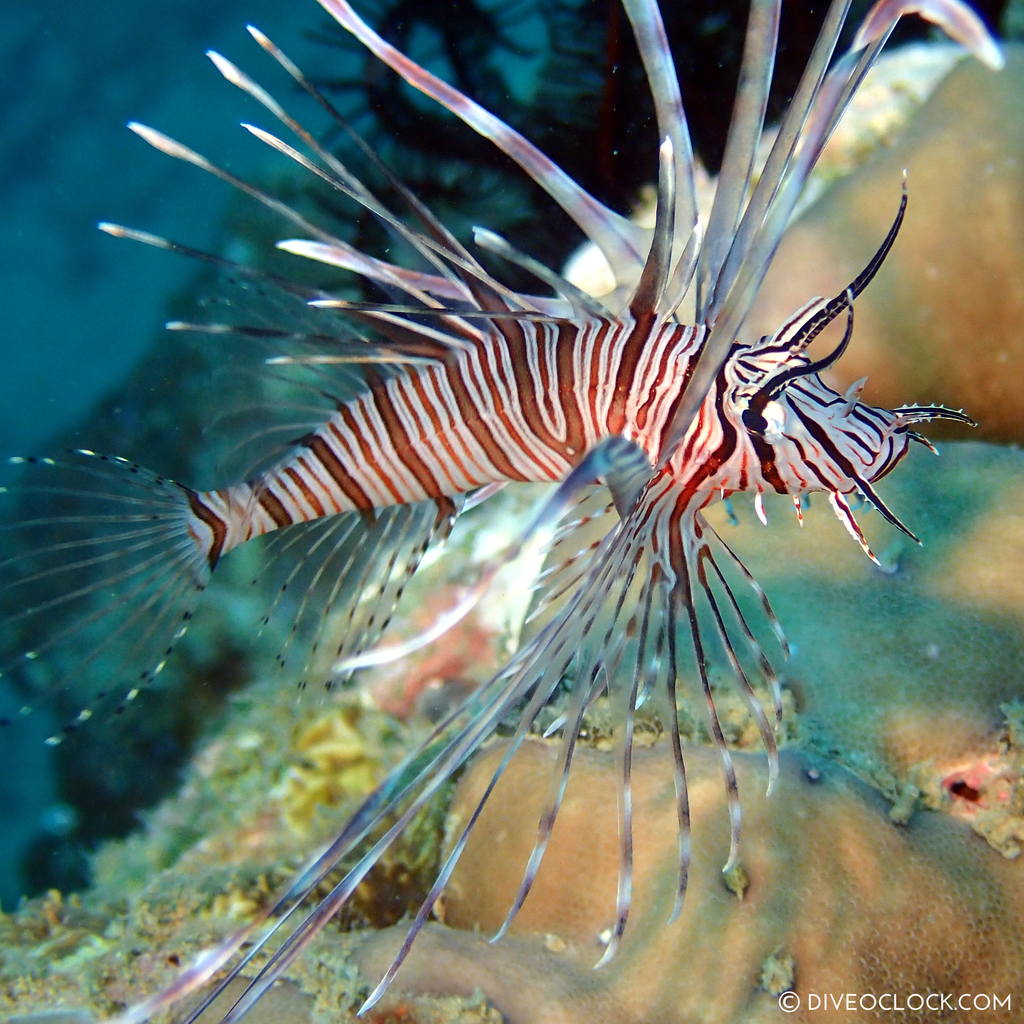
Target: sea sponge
(335,760)
(840,900)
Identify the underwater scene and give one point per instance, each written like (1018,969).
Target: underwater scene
(605,641)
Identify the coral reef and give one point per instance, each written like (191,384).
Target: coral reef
(840,899)
(255,802)
(904,673)
(865,872)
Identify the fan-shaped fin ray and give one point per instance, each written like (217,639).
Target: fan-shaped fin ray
(580,302)
(101,576)
(654,277)
(745,128)
(649,31)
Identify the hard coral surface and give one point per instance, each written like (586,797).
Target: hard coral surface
(840,898)
(908,673)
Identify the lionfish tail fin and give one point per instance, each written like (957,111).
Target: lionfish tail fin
(103,562)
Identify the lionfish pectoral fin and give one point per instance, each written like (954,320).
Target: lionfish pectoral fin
(602,622)
(660,558)
(623,466)
(534,675)
(380,820)
(647,580)
(103,563)
(583,696)
(767,728)
(754,645)
(337,580)
(685,608)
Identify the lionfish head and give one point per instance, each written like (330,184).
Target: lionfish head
(807,435)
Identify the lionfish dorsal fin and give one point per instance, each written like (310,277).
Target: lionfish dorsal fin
(663,82)
(621,241)
(647,297)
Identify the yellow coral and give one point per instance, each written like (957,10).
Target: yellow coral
(336,759)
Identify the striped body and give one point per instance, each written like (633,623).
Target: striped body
(526,404)
(523,406)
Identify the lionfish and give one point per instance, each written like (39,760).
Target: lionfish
(649,397)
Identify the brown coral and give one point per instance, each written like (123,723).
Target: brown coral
(850,901)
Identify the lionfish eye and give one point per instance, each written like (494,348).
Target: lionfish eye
(753,420)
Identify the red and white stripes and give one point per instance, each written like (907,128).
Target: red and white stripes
(525,405)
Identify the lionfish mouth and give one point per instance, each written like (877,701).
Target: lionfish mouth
(464,385)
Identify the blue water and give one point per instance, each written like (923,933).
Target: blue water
(81,308)
(84,311)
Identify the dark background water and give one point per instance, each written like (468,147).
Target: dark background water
(82,309)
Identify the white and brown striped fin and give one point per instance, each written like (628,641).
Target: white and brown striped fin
(104,562)
(658,577)
(639,592)
(336,581)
